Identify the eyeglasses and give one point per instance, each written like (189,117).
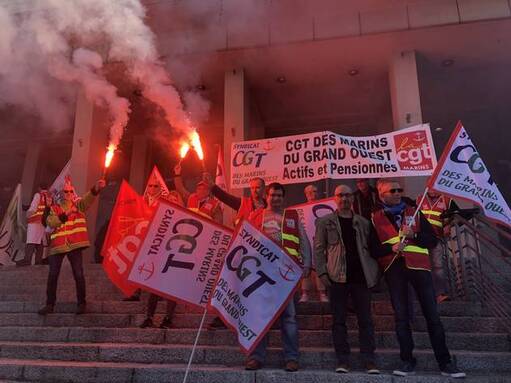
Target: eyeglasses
(347,195)
(67,191)
(396,190)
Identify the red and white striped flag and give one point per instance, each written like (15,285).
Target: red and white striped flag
(461,173)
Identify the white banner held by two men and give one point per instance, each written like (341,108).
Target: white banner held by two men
(256,283)
(310,212)
(181,255)
(314,156)
(461,173)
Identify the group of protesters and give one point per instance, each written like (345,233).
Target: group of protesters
(373,233)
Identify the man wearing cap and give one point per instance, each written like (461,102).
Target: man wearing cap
(68,239)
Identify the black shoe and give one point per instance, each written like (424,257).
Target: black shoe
(407,368)
(81,309)
(451,370)
(133,298)
(166,323)
(148,322)
(216,324)
(48,309)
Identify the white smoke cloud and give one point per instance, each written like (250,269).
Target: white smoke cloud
(51,48)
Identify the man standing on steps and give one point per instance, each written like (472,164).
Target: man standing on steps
(433,206)
(36,234)
(342,246)
(243,205)
(311,194)
(404,259)
(201,201)
(68,239)
(285,229)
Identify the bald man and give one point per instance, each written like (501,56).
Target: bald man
(342,246)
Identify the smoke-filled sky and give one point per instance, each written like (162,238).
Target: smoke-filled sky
(51,48)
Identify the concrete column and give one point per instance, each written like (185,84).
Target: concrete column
(406,105)
(236,123)
(28,177)
(138,166)
(90,139)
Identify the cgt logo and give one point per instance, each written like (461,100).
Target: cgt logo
(246,158)
(287,272)
(413,151)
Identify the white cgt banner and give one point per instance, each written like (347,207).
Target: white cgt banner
(256,282)
(314,156)
(310,212)
(461,173)
(181,255)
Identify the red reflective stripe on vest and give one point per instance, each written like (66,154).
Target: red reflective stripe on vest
(386,230)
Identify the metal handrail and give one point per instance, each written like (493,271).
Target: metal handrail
(473,253)
(475,230)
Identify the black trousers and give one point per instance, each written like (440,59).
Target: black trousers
(398,278)
(55,262)
(30,248)
(152,303)
(361,298)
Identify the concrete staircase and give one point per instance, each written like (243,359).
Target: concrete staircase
(105,345)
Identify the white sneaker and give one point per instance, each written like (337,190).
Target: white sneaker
(323,297)
(304,298)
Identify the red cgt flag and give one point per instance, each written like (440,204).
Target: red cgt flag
(128,224)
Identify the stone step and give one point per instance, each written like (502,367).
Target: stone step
(308,338)
(305,322)
(62,371)
(87,372)
(310,357)
(450,309)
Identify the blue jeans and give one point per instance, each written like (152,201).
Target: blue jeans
(289,333)
(398,277)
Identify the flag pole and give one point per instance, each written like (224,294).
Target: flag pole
(195,345)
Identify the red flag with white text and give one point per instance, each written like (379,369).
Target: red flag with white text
(128,224)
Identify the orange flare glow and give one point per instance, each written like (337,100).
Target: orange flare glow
(195,140)
(109,155)
(184,149)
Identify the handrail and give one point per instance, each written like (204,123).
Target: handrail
(475,230)
(480,266)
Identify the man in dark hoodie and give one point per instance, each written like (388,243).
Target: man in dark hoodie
(405,238)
